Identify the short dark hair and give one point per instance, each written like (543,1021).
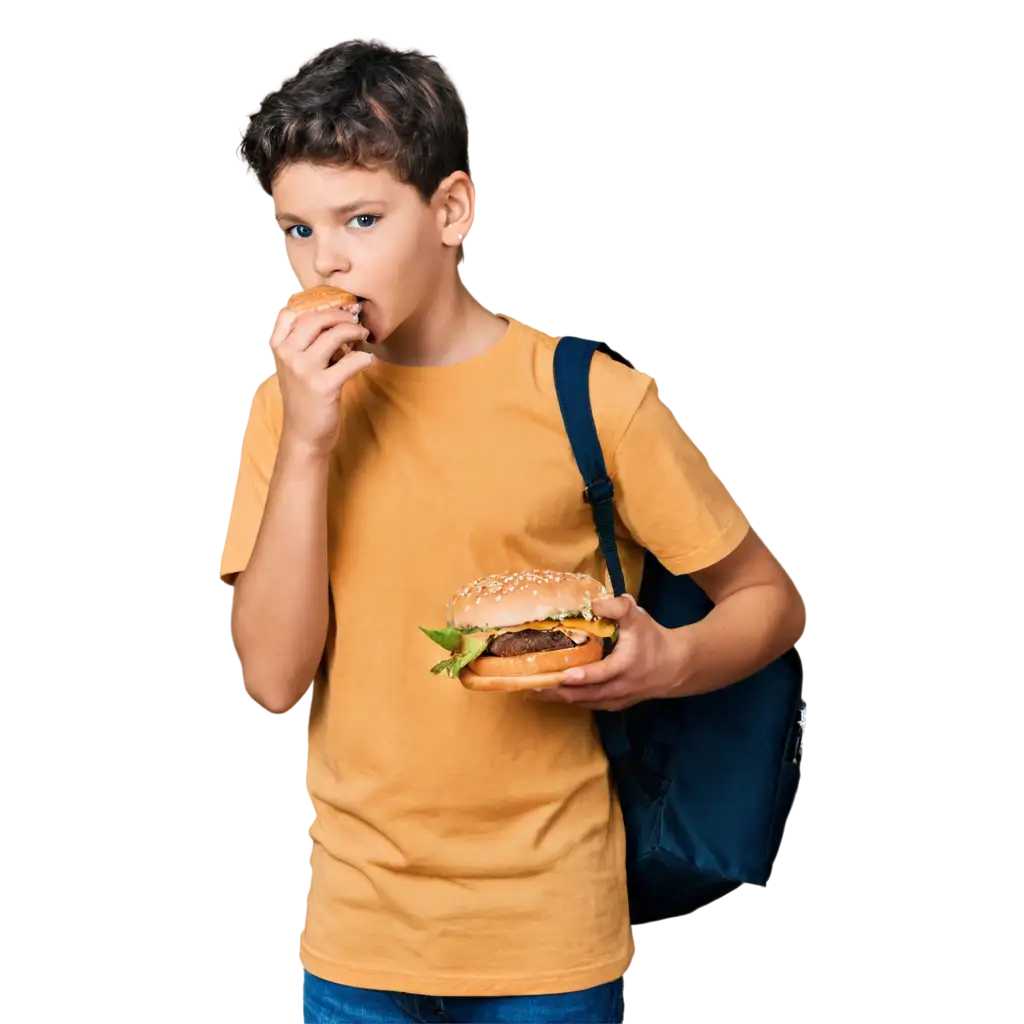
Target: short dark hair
(361,103)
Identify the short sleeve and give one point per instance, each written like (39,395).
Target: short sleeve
(259,452)
(666,494)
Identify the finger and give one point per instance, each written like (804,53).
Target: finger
(333,341)
(584,695)
(347,367)
(282,327)
(602,671)
(552,694)
(545,694)
(607,705)
(621,609)
(308,327)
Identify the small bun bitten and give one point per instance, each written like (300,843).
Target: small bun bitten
(323,296)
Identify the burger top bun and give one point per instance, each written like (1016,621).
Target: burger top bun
(323,296)
(510,599)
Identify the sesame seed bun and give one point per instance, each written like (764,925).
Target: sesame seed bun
(323,296)
(510,599)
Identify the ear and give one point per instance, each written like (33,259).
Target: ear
(455,198)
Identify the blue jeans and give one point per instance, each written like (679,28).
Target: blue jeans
(325,1002)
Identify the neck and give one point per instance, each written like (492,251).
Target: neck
(452,328)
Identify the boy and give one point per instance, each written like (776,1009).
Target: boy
(468,850)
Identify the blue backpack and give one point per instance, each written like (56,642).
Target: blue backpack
(705,782)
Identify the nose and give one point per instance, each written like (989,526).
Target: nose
(330,261)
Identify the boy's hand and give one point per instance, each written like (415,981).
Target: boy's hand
(648,661)
(304,345)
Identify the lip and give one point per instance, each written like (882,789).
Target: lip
(370,339)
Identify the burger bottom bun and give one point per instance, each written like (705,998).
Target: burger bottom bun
(529,671)
(471,681)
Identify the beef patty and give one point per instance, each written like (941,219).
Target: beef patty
(529,641)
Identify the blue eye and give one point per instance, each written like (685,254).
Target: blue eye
(363,217)
(288,231)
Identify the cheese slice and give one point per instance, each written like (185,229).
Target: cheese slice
(595,627)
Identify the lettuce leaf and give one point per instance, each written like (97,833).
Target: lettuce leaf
(450,638)
(459,642)
(471,650)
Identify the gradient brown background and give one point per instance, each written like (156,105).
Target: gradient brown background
(151,820)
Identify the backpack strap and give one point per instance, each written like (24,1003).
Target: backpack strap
(573,357)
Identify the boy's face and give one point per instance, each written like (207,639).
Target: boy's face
(366,232)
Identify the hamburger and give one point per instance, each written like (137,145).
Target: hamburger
(522,630)
(325,296)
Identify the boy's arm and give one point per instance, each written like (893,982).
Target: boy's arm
(307,706)
(675,503)
(276,551)
(279,614)
(672,504)
(758,616)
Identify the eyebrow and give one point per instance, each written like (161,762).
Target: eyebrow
(338,210)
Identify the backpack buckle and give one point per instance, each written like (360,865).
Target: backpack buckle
(600,492)
(801,743)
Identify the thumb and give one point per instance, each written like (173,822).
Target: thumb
(617,608)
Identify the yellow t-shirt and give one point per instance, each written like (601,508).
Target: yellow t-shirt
(470,843)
